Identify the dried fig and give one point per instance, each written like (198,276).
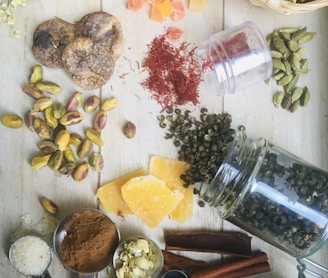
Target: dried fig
(88,63)
(105,28)
(50,39)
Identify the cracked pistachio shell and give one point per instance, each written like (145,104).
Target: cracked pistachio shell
(12,121)
(91,104)
(74,102)
(81,171)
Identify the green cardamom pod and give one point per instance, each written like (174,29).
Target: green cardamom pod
(295,105)
(292,83)
(278,97)
(307,37)
(299,34)
(305,96)
(296,94)
(285,80)
(278,64)
(280,45)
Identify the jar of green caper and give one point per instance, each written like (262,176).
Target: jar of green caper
(272,194)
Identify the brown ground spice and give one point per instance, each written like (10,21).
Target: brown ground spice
(89,243)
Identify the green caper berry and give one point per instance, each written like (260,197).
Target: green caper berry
(161,117)
(162,125)
(169,110)
(207,137)
(176,143)
(169,118)
(203,110)
(177,111)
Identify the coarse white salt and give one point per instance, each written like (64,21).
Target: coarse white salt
(30,255)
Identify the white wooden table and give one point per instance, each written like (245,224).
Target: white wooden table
(304,133)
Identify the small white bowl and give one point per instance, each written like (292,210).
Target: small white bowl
(158,265)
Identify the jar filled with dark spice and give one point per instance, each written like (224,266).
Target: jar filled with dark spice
(272,194)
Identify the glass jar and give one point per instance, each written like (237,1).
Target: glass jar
(235,58)
(272,194)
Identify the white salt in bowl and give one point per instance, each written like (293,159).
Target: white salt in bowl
(30,255)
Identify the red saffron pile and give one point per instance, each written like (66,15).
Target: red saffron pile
(173,73)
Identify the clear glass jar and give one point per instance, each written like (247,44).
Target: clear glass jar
(272,194)
(235,58)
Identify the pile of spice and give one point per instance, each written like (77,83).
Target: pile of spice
(201,141)
(173,73)
(89,243)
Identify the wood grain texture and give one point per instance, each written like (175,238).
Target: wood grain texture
(304,133)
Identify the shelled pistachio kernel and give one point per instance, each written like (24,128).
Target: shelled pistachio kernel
(74,102)
(109,104)
(41,128)
(99,121)
(40,160)
(94,136)
(91,104)
(31,90)
(42,103)
(48,87)
(56,160)
(62,139)
(48,205)
(12,121)
(81,171)
(75,139)
(36,74)
(96,162)
(84,148)
(129,129)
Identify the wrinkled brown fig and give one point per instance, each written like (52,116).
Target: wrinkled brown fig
(104,28)
(88,63)
(49,41)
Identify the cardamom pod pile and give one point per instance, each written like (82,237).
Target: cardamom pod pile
(288,65)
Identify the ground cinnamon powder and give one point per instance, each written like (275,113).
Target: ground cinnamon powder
(89,243)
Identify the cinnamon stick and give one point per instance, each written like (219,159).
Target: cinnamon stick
(174,261)
(227,243)
(248,271)
(220,270)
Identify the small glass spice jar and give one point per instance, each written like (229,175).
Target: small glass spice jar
(272,194)
(235,58)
